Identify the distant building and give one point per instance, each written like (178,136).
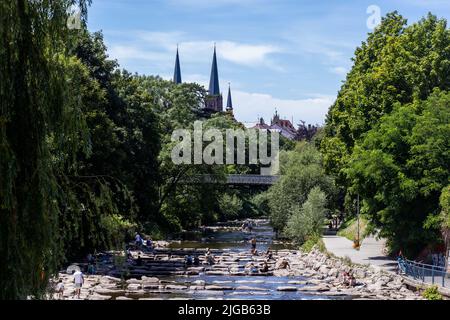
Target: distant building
(284,127)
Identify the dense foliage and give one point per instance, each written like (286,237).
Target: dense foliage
(85,150)
(386,136)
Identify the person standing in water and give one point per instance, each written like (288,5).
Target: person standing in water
(253,242)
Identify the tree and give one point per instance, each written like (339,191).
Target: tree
(307,220)
(397,64)
(301,171)
(39,127)
(400,169)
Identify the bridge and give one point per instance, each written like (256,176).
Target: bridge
(235,179)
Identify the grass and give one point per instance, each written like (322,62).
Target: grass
(349,229)
(313,242)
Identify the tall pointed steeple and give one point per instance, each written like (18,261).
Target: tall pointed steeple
(214,99)
(214,89)
(177,73)
(229,100)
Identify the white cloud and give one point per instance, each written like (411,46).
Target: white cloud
(161,46)
(249,106)
(342,71)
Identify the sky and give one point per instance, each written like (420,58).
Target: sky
(286,55)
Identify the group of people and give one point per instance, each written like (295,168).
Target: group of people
(190,260)
(143,244)
(78,280)
(194,260)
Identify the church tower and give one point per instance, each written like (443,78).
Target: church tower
(177,72)
(229,101)
(214,99)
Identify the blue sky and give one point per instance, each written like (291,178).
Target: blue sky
(286,54)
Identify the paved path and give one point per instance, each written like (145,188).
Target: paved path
(370,253)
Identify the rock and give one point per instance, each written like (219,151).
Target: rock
(199,282)
(104,291)
(246,288)
(176,287)
(360,273)
(150,286)
(333,272)
(324,269)
(109,279)
(297,282)
(150,279)
(218,288)
(123,298)
(134,287)
(99,297)
(133,281)
(287,289)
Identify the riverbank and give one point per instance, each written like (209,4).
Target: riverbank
(326,273)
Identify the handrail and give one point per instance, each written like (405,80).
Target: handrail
(424,264)
(422,271)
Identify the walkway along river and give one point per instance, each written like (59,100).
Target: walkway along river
(163,274)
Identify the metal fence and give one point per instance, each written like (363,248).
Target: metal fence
(426,273)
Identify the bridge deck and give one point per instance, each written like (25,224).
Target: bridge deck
(236,179)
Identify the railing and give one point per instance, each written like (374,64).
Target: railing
(233,179)
(426,273)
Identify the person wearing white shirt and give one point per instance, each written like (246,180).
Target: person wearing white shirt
(78,279)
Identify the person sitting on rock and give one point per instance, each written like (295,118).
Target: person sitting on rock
(250,268)
(269,254)
(139,261)
(196,261)
(188,261)
(349,279)
(138,240)
(265,267)
(283,264)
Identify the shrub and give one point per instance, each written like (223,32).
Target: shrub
(432,293)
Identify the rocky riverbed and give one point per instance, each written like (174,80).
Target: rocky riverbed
(162,274)
(311,276)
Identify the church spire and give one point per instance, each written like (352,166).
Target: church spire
(177,73)
(229,101)
(214,89)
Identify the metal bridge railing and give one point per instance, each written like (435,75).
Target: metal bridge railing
(426,273)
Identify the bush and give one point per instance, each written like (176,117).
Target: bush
(432,293)
(308,221)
